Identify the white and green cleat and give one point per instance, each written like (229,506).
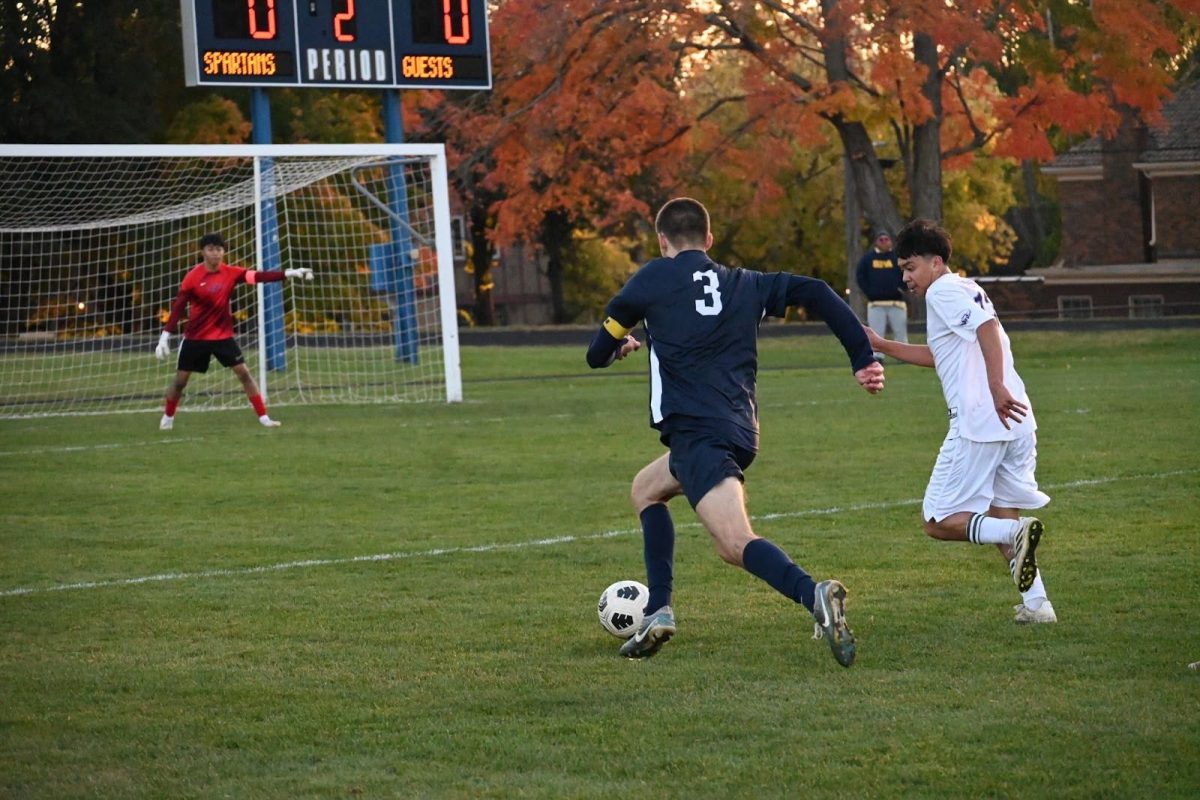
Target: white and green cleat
(655,631)
(1024,564)
(829,610)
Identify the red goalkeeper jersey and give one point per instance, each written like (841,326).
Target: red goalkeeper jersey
(210,317)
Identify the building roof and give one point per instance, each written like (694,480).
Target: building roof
(1180,270)
(1177,141)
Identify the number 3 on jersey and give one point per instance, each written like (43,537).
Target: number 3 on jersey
(710,304)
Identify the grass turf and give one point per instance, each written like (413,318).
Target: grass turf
(400,600)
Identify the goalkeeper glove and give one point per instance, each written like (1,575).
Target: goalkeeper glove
(164,346)
(299,272)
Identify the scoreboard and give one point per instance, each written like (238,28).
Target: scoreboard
(372,44)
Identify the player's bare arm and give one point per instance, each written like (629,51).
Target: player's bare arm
(918,354)
(1007,407)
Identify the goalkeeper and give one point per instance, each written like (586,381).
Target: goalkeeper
(207,288)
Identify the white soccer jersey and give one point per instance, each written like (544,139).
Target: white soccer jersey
(956,309)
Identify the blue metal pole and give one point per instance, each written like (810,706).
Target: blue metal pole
(276,341)
(403,284)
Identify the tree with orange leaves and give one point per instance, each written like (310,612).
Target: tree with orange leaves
(582,125)
(948,79)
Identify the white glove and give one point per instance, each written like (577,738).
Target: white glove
(164,347)
(299,272)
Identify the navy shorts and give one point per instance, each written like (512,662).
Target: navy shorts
(701,458)
(195,354)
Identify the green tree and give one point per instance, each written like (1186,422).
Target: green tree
(89,70)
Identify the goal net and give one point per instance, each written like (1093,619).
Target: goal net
(95,241)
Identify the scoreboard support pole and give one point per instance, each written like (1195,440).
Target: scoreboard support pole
(400,282)
(273,339)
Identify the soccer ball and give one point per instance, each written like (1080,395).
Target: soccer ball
(620,608)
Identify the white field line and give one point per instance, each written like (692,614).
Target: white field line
(492,548)
(86,447)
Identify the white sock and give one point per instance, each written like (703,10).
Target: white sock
(982,529)
(1036,595)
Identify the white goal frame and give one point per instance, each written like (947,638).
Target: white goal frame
(439,246)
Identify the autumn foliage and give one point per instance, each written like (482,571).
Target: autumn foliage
(585,117)
(602,110)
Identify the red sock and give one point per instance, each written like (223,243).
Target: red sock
(260,407)
(171,406)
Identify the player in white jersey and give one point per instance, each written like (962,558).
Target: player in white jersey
(984,474)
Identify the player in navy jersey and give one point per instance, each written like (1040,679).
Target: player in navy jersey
(701,321)
(206,291)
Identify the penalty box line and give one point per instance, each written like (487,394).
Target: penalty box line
(496,548)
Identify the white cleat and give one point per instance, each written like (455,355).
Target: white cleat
(166,423)
(1027,616)
(1024,564)
(267,422)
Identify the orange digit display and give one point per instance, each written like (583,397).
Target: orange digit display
(372,44)
(340,22)
(252,12)
(462,18)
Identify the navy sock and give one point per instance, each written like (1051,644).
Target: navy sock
(658,540)
(766,561)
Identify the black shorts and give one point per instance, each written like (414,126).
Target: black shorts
(194,354)
(701,457)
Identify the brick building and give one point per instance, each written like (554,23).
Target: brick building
(1131,220)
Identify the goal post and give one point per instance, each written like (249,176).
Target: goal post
(95,240)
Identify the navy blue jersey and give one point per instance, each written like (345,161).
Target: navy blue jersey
(702,321)
(879,275)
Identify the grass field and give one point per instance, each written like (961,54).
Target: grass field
(399,601)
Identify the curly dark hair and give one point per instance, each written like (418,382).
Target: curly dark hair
(923,237)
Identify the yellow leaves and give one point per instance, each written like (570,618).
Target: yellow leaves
(336,116)
(213,120)
(973,198)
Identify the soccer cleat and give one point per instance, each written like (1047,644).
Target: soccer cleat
(166,423)
(829,610)
(267,422)
(1027,616)
(1024,565)
(655,631)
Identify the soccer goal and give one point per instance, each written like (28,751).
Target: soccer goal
(94,241)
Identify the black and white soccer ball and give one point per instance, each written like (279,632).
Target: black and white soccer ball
(620,608)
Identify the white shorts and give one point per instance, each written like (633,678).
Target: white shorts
(974,476)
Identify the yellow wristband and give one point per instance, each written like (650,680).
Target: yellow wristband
(615,329)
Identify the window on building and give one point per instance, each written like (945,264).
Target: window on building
(1145,306)
(1075,306)
(458,235)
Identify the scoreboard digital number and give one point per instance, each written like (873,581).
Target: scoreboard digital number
(380,44)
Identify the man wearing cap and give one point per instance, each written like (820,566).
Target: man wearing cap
(879,278)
